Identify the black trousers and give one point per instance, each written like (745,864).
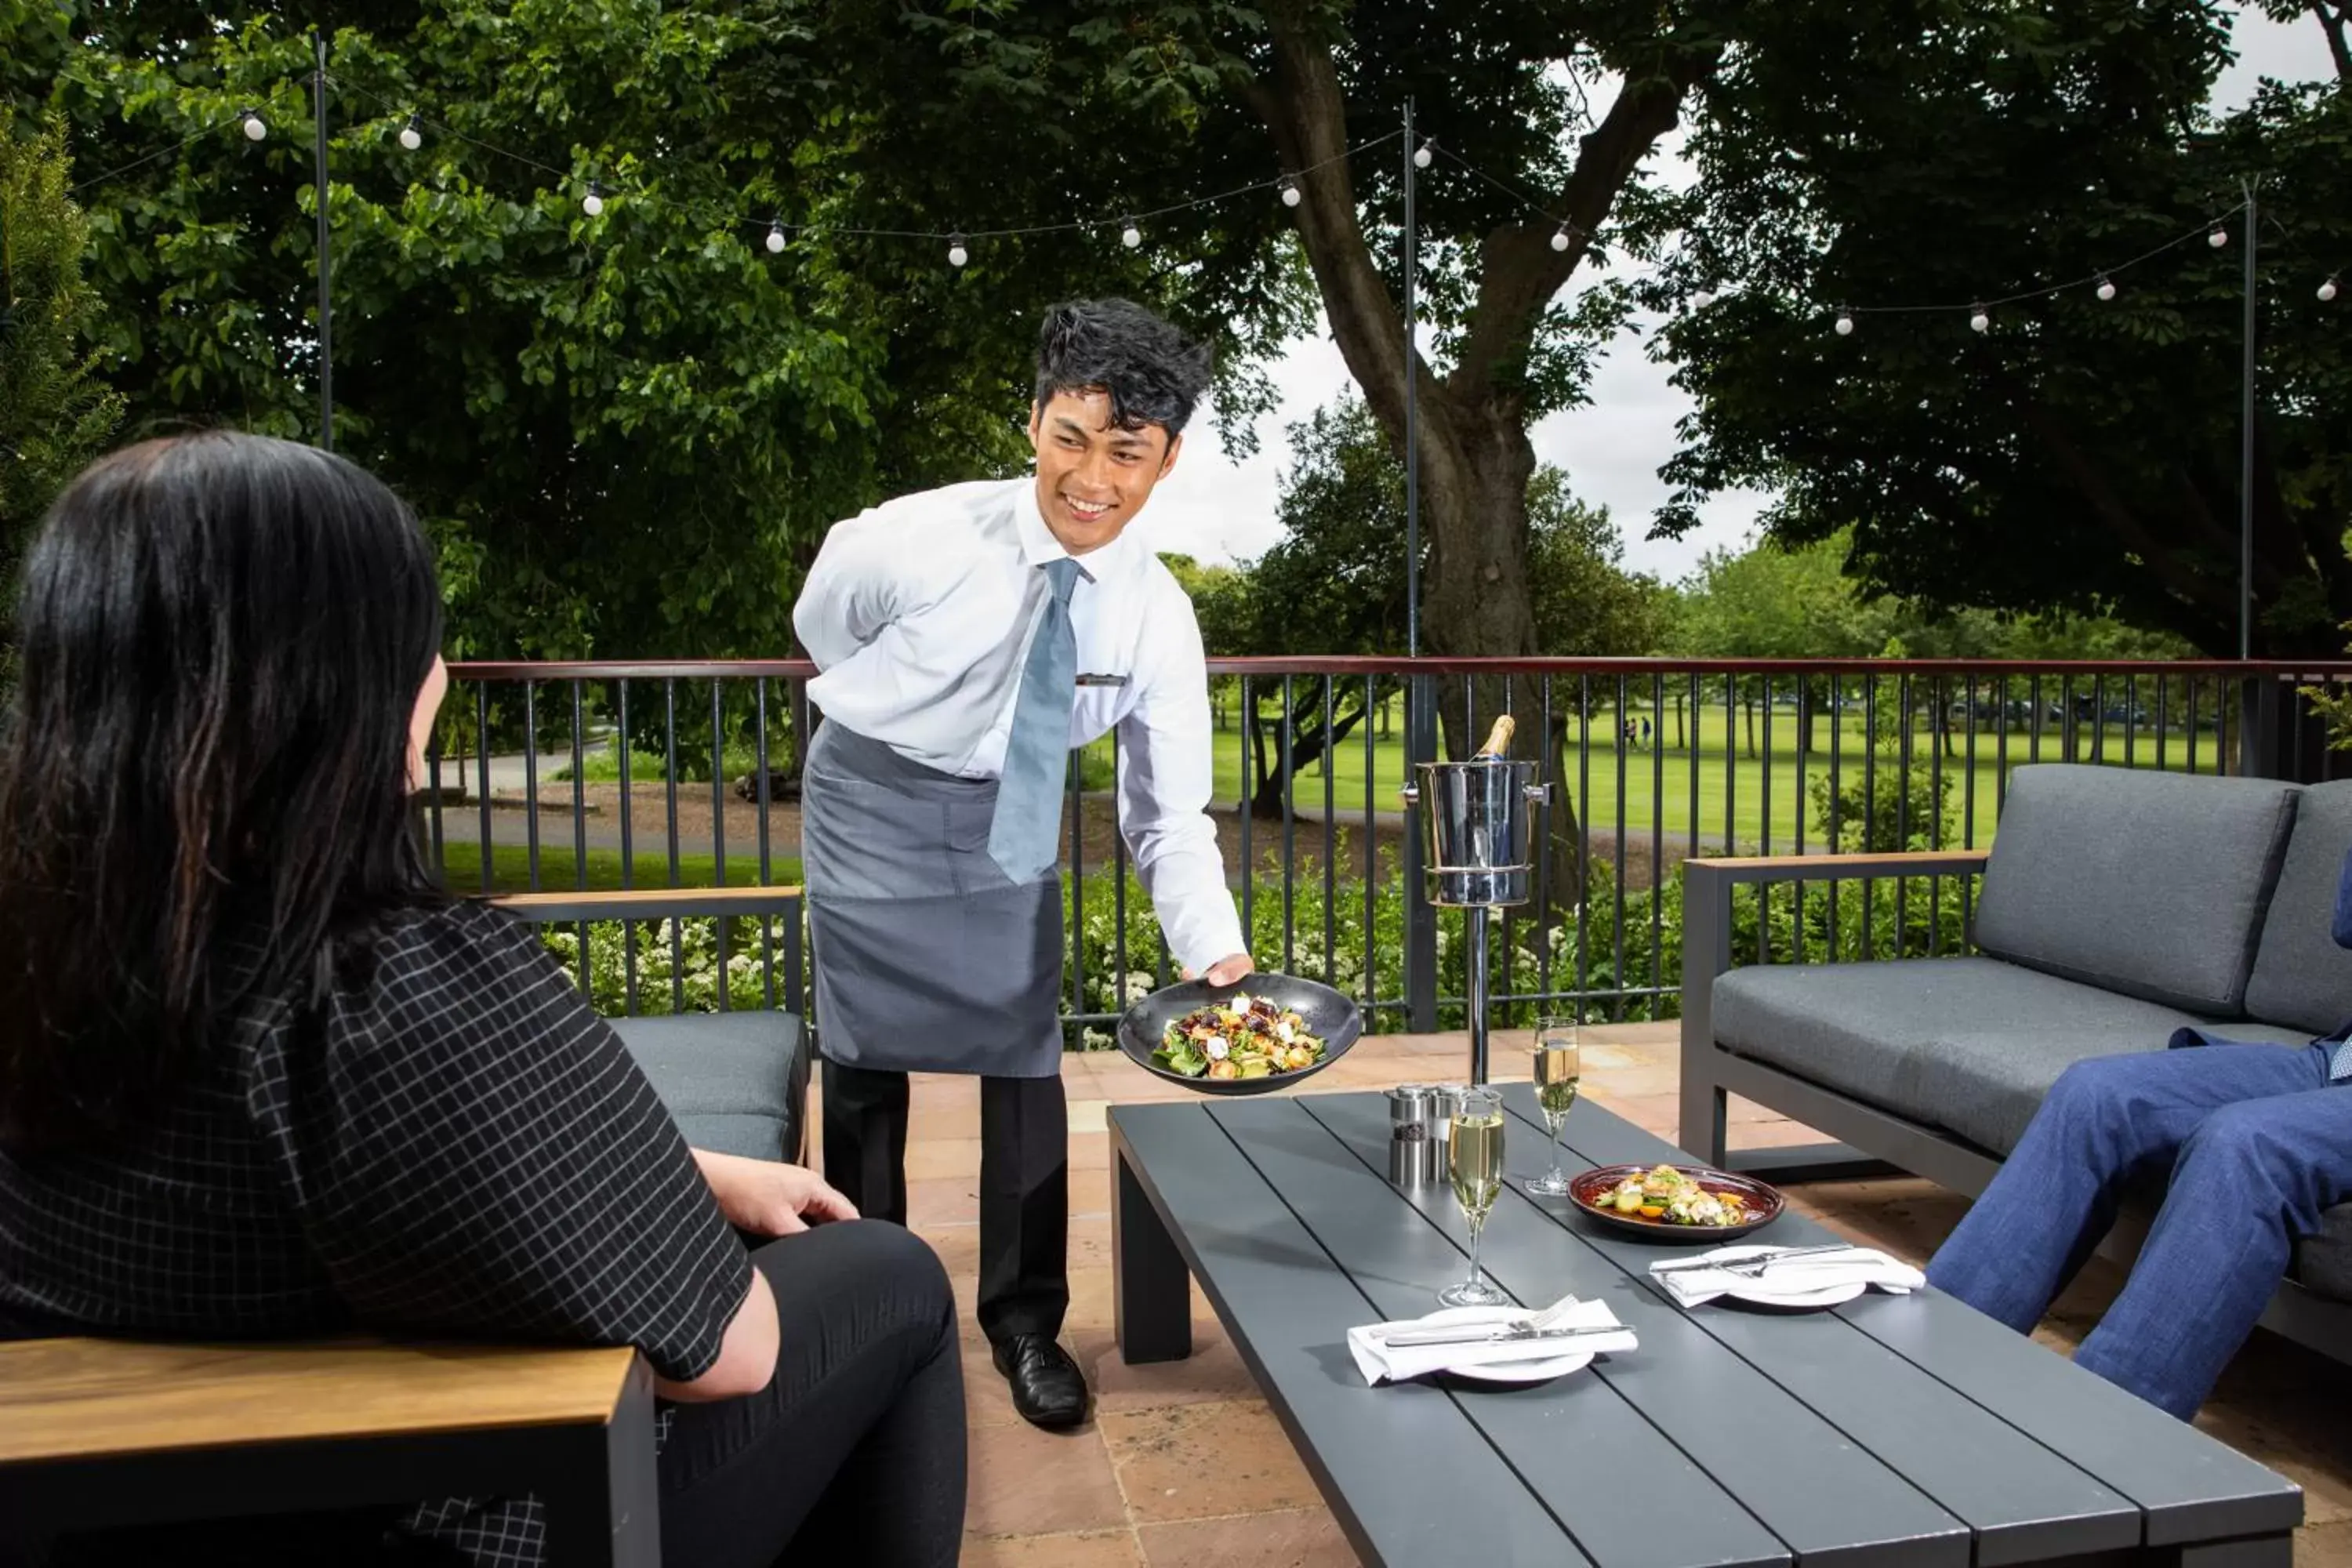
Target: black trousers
(855,1452)
(1024,1183)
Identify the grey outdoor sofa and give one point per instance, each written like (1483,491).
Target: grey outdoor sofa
(2114,907)
(735,1082)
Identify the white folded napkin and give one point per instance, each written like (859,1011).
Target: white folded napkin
(1798,1276)
(1381,1363)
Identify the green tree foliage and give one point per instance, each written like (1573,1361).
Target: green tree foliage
(55,413)
(628,433)
(1507,89)
(2082,455)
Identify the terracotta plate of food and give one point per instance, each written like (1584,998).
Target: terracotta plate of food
(1267,1032)
(1675,1203)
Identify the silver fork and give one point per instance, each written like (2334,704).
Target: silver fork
(1751,1267)
(1546,1320)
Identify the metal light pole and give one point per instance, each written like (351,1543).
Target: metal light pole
(1411,412)
(1420,709)
(2246,449)
(326,308)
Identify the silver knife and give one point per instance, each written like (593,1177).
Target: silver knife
(1489,1333)
(1753,1260)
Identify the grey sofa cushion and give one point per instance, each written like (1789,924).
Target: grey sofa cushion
(2147,883)
(1967,1045)
(2324,1260)
(734,1082)
(2301,976)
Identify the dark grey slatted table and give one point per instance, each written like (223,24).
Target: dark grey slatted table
(1894,1432)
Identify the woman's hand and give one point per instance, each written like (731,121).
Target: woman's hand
(767,1197)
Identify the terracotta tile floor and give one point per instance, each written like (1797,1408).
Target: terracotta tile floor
(1122,1490)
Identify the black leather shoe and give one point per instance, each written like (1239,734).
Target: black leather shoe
(1048,1389)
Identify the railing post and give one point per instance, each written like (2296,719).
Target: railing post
(2261,729)
(1420,699)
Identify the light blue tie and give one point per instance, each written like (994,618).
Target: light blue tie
(1038,751)
(2340,1063)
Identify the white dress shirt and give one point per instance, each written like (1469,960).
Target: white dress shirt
(919,614)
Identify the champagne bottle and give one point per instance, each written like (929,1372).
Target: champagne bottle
(1499,740)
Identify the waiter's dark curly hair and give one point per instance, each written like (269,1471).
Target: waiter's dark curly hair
(1154,374)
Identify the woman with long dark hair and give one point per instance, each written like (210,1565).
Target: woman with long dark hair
(259,1076)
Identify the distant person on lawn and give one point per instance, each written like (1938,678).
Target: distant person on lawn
(2256,1142)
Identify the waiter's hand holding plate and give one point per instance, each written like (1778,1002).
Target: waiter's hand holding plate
(1229,970)
(1254,1024)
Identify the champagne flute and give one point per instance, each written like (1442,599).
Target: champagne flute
(1559,1065)
(1476,1146)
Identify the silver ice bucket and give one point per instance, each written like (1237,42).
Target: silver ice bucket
(1476,826)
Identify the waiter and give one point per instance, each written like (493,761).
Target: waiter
(968,639)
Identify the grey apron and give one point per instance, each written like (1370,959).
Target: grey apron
(929,958)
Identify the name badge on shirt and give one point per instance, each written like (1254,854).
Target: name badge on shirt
(1102,681)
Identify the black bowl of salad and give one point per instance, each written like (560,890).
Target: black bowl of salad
(1264,1032)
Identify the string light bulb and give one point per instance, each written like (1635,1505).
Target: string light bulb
(1981,320)
(1703,299)
(2218,237)
(1560,237)
(1131,236)
(775,240)
(2107,287)
(1424,155)
(593,204)
(1844,324)
(1291,195)
(2327,289)
(411,137)
(956,252)
(254,128)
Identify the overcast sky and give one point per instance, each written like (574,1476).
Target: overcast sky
(1218,510)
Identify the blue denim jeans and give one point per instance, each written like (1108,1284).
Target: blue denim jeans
(2258,1144)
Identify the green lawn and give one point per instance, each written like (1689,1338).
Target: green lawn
(1657,788)
(510,869)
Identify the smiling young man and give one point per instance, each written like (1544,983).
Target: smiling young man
(968,639)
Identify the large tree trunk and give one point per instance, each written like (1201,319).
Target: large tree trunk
(1475,457)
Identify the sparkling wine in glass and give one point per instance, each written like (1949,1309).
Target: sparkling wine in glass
(1559,1067)
(1476,1146)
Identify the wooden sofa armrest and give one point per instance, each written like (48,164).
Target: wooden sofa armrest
(131,1434)
(80,1398)
(1733,871)
(648,903)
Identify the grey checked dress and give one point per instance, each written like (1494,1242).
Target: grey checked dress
(455,1143)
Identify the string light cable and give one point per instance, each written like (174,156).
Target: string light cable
(2213,230)
(774,231)
(1286,184)
(214,128)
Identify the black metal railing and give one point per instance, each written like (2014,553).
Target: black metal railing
(576,776)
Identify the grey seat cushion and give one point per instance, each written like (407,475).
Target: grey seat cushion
(734,1082)
(2300,975)
(2147,883)
(1967,1045)
(2324,1261)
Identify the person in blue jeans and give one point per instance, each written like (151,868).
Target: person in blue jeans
(2258,1140)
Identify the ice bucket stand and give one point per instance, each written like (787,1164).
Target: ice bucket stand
(1474,821)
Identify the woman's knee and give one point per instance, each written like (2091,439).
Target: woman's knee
(884,1266)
